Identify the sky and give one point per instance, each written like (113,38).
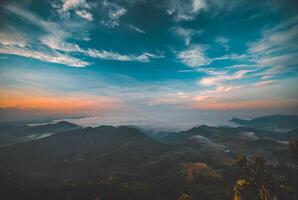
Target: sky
(181,62)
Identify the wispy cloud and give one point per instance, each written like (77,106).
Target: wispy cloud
(113,14)
(52,57)
(185,10)
(84,14)
(223,41)
(281,60)
(58,44)
(80,7)
(247,105)
(278,38)
(194,56)
(264,83)
(12,37)
(107,55)
(264,61)
(219,79)
(267,58)
(188,10)
(259,95)
(186,34)
(55,36)
(215,94)
(55,44)
(47,26)
(278,45)
(132,27)
(72,4)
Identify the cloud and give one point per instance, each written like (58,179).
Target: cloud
(264,83)
(107,55)
(268,94)
(278,38)
(194,56)
(80,7)
(72,4)
(186,34)
(112,14)
(218,79)
(271,56)
(84,14)
(12,37)
(58,44)
(15,44)
(236,57)
(216,93)
(206,70)
(137,29)
(52,57)
(197,5)
(172,98)
(223,42)
(55,36)
(55,39)
(53,29)
(283,60)
(188,10)
(260,95)
(231,96)
(145,57)
(55,44)
(276,51)
(248,105)
(109,12)
(47,26)
(185,10)
(117,13)
(277,46)
(273,71)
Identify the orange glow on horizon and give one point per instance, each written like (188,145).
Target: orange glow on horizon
(74,103)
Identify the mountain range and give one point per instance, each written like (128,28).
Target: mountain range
(272,122)
(10,134)
(108,162)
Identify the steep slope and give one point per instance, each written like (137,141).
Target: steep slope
(82,153)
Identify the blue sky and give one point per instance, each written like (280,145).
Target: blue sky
(147,58)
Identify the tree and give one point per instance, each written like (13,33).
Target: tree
(255,183)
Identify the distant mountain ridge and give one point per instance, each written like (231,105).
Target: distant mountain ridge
(10,134)
(230,139)
(272,122)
